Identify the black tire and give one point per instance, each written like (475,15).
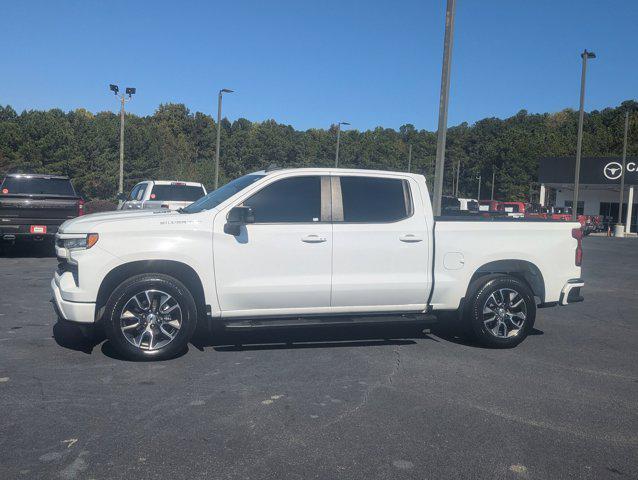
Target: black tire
(493,333)
(136,286)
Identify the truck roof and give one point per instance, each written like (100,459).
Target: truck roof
(326,170)
(37,175)
(173,182)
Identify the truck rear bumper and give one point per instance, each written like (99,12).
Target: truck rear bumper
(79,312)
(26,237)
(571,291)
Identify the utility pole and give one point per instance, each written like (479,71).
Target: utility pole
(579,143)
(493,177)
(130,91)
(624,162)
(479,188)
(409,158)
(219,131)
(338,139)
(443,104)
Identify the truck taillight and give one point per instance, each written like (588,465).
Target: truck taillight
(577,233)
(80,207)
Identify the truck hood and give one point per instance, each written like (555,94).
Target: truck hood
(92,223)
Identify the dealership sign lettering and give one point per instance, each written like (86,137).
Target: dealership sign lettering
(613,170)
(593,170)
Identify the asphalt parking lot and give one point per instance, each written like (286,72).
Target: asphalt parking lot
(355,403)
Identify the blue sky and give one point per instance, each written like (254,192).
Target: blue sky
(312,63)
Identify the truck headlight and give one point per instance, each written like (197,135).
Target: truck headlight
(85,241)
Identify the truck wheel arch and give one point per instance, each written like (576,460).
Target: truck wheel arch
(521,269)
(181,271)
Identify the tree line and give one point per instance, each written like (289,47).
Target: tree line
(174,143)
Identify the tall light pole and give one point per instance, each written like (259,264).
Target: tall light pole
(338,139)
(579,144)
(130,91)
(219,131)
(624,162)
(409,158)
(443,102)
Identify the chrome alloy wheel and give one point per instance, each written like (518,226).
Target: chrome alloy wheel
(504,313)
(151,319)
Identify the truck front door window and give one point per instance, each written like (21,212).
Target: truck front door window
(140,193)
(291,200)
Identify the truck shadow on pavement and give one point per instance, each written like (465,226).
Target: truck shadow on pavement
(71,337)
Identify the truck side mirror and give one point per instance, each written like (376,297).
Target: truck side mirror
(237,217)
(122,197)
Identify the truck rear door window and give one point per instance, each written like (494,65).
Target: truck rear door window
(38,186)
(176,193)
(375,200)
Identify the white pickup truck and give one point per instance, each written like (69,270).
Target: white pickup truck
(297,246)
(154,194)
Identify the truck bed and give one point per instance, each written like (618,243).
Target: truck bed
(465,246)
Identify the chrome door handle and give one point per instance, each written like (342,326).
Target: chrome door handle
(313,239)
(410,238)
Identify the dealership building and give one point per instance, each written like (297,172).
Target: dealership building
(599,190)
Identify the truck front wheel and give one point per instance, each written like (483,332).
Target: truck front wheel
(150,317)
(500,311)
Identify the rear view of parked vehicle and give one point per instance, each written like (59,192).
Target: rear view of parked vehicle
(155,194)
(469,205)
(490,206)
(514,209)
(33,206)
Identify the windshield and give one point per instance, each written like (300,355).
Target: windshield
(176,193)
(223,193)
(38,186)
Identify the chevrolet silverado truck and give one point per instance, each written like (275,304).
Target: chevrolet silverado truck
(155,194)
(309,246)
(33,206)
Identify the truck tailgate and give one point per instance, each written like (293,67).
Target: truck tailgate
(20,208)
(18,214)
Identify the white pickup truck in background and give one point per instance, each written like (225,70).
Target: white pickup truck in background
(299,245)
(155,194)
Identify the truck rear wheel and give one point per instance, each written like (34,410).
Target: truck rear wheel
(500,311)
(150,317)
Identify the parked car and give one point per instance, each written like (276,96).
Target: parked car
(469,205)
(156,194)
(450,205)
(560,213)
(514,209)
(285,247)
(33,206)
(535,208)
(490,206)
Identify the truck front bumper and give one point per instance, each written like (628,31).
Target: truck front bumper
(79,312)
(571,291)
